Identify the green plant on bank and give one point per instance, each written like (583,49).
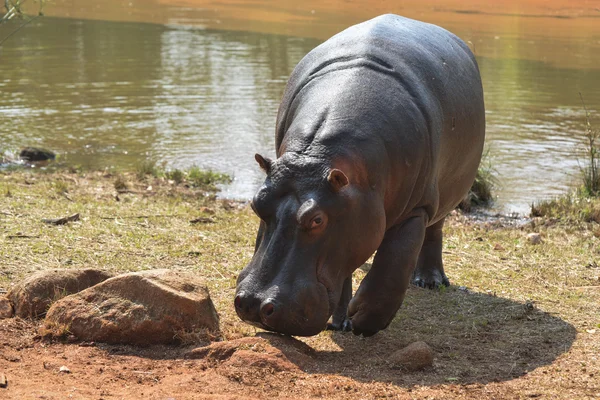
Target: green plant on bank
(195,176)
(582,204)
(481,192)
(121,183)
(575,206)
(147,167)
(14,10)
(176,176)
(199,177)
(591,170)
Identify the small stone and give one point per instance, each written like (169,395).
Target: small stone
(415,356)
(64,370)
(534,238)
(3,381)
(6,308)
(498,247)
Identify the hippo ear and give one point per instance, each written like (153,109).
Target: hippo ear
(337,179)
(264,162)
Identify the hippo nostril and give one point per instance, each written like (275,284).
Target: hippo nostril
(238,301)
(267,309)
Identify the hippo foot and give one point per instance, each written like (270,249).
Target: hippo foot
(431,282)
(344,326)
(369,323)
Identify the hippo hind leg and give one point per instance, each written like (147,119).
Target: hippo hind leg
(429,272)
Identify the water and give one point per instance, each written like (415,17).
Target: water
(107,93)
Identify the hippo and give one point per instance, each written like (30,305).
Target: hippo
(378,138)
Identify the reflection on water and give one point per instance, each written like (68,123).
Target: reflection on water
(125,91)
(108,94)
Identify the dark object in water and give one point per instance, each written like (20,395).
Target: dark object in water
(36,154)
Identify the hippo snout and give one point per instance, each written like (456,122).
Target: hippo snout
(292,311)
(251,309)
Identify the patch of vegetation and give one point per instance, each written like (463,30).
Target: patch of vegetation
(148,167)
(481,192)
(121,184)
(591,170)
(575,206)
(514,308)
(195,176)
(176,176)
(202,178)
(583,204)
(14,10)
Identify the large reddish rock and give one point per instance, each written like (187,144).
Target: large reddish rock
(141,308)
(32,297)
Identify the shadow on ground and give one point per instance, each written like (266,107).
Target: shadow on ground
(476,337)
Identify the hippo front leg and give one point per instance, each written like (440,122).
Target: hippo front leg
(340,321)
(381,292)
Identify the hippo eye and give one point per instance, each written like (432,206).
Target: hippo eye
(316,222)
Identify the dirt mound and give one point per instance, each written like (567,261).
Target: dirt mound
(267,352)
(32,297)
(141,308)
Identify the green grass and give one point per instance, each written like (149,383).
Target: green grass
(513,307)
(202,178)
(590,171)
(194,176)
(481,192)
(582,204)
(573,207)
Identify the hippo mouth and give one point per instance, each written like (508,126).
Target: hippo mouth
(297,323)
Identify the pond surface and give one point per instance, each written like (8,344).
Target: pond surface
(108,93)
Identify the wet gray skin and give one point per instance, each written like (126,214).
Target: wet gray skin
(303,252)
(379,135)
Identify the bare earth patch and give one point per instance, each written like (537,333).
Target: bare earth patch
(520,320)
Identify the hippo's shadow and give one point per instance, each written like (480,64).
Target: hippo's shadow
(475,337)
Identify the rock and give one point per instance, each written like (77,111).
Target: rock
(141,308)
(3,381)
(534,238)
(6,308)
(415,356)
(64,370)
(32,297)
(36,154)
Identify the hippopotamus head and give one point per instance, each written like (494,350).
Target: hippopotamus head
(318,224)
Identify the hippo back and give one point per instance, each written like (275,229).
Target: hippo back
(436,69)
